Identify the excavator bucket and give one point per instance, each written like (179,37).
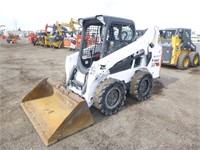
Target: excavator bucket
(55,112)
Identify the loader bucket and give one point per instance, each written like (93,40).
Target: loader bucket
(55,112)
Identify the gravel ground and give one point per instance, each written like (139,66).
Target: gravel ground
(170,119)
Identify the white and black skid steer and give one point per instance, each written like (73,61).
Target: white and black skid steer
(99,75)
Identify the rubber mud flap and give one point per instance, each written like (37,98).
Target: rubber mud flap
(55,112)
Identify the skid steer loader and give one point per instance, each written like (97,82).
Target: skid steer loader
(40,38)
(98,75)
(47,36)
(178,48)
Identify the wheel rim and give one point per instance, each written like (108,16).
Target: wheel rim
(196,59)
(186,62)
(112,98)
(144,86)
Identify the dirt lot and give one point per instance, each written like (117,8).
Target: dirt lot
(170,119)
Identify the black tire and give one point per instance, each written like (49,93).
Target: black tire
(183,62)
(194,59)
(141,85)
(109,96)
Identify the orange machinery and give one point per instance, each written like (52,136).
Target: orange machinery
(12,38)
(32,37)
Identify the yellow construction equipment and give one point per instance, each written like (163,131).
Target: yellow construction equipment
(40,38)
(58,34)
(47,36)
(178,49)
(55,112)
(59,38)
(71,24)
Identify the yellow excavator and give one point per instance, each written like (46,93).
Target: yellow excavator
(178,49)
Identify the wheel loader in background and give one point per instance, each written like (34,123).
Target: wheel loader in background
(98,75)
(178,49)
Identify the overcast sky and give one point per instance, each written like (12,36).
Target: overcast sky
(34,14)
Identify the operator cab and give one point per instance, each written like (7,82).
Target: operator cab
(183,34)
(103,35)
